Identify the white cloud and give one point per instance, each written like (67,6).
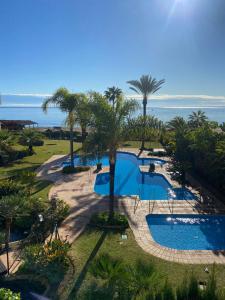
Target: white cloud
(167,97)
(133,96)
(27,95)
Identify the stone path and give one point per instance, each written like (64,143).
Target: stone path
(77,190)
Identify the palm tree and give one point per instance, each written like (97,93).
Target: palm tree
(112,94)
(108,269)
(28,138)
(145,86)
(143,278)
(177,124)
(197,119)
(108,128)
(67,103)
(12,206)
(83,114)
(6,140)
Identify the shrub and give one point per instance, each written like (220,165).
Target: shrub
(9,187)
(6,294)
(71,170)
(50,260)
(38,143)
(102,219)
(157,153)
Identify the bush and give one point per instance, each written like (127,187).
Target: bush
(158,153)
(102,219)
(38,143)
(71,170)
(6,294)
(50,260)
(9,187)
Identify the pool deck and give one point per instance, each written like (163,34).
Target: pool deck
(78,192)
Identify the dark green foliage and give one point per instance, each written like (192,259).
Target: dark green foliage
(30,138)
(168,293)
(71,170)
(10,187)
(149,128)
(198,149)
(102,219)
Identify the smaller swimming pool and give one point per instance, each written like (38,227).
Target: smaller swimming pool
(188,232)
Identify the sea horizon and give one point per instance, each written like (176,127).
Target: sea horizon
(29,108)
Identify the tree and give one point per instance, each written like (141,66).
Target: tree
(108,128)
(6,140)
(149,127)
(67,103)
(30,137)
(83,114)
(112,94)
(197,119)
(177,124)
(145,86)
(12,206)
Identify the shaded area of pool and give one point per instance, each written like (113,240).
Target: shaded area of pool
(188,232)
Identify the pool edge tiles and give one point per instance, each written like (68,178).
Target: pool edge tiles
(188,232)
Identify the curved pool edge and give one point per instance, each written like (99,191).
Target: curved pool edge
(145,240)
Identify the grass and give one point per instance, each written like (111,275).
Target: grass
(137,144)
(42,153)
(92,243)
(31,163)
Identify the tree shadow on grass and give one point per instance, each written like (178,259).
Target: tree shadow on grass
(86,266)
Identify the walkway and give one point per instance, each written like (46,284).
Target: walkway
(78,192)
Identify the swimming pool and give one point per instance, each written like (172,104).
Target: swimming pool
(129,180)
(188,232)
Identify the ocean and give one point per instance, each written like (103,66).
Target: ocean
(29,108)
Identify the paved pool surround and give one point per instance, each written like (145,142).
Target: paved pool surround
(77,190)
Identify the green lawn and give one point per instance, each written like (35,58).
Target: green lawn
(42,153)
(137,144)
(31,163)
(91,243)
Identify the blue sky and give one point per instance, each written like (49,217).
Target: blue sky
(94,44)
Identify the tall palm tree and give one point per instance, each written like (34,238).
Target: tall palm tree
(67,103)
(197,119)
(145,86)
(108,128)
(112,94)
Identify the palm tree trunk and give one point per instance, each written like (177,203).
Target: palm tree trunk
(144,115)
(112,164)
(83,133)
(71,147)
(7,239)
(30,149)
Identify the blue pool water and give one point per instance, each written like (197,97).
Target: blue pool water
(188,232)
(129,180)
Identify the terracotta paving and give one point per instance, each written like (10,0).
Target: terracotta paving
(77,190)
